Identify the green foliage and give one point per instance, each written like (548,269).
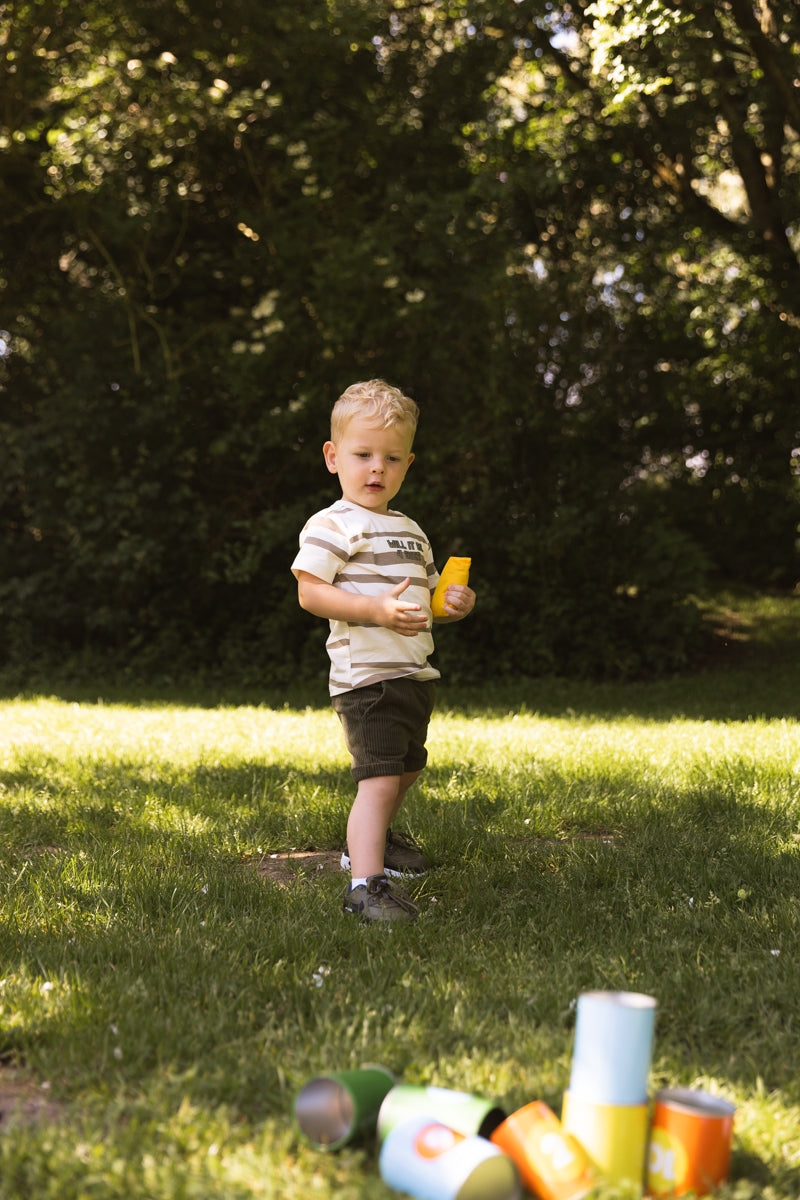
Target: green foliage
(552,230)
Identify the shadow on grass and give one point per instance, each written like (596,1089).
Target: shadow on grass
(695,905)
(764,688)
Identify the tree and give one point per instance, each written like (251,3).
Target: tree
(206,242)
(653,150)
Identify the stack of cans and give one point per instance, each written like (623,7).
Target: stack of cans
(606,1106)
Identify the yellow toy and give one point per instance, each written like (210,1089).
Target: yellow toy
(456,570)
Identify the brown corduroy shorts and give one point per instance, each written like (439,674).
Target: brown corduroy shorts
(386,725)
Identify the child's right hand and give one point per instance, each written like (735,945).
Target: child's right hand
(400,615)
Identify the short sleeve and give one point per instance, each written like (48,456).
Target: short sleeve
(324,548)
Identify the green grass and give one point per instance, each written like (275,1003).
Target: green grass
(170,1002)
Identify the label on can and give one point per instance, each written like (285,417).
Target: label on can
(667,1162)
(434,1140)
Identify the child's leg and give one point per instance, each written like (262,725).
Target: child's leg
(376,804)
(406,781)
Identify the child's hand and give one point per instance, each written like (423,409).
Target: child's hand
(459,601)
(399,615)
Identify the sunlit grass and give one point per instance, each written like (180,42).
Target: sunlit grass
(171,1001)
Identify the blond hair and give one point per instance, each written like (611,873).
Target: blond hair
(374,400)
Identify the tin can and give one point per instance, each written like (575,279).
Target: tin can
(613,1135)
(431,1162)
(690,1142)
(613,1046)
(551,1162)
(333,1109)
(465,1113)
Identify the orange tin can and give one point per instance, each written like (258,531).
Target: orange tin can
(551,1162)
(690,1142)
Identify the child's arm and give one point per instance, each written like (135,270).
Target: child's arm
(388,610)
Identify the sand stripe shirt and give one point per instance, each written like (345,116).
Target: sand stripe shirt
(367,553)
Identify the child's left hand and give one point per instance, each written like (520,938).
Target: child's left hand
(459,601)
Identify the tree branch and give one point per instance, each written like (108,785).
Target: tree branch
(771,59)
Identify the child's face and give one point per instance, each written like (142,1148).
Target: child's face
(371,462)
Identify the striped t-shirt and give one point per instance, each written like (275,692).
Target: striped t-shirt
(367,553)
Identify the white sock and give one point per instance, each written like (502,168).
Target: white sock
(358,882)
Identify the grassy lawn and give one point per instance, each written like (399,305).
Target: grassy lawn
(174,966)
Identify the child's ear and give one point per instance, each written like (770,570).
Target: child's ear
(329,452)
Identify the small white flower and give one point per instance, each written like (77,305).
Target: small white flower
(319,977)
(46,987)
(774,953)
(117,1052)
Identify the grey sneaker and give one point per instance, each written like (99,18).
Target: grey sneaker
(378,900)
(402,856)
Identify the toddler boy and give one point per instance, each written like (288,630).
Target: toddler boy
(369,570)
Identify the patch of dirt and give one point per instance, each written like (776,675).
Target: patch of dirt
(286,869)
(298,865)
(22,1102)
